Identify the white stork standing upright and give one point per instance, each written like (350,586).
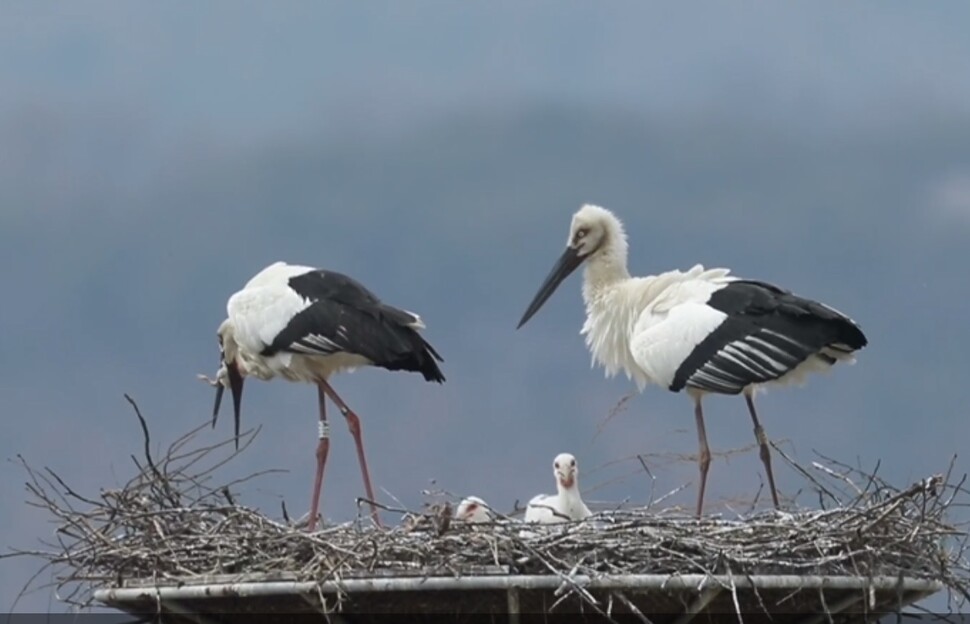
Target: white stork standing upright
(701,330)
(566,504)
(305,324)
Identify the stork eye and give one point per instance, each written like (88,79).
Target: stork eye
(579,236)
(572,463)
(556,465)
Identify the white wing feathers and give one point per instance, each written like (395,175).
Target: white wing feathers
(417,323)
(315,344)
(660,345)
(542,509)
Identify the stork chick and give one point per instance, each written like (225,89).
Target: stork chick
(473,510)
(566,504)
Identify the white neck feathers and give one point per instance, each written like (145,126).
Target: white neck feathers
(608,264)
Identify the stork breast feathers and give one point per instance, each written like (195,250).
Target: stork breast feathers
(630,312)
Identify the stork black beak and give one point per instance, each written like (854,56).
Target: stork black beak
(567,263)
(236,387)
(215,410)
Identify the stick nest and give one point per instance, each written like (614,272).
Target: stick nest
(172,523)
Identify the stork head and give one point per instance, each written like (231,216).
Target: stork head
(592,230)
(474,510)
(589,229)
(566,470)
(227,341)
(229,374)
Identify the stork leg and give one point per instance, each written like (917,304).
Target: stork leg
(323,449)
(704,456)
(759,434)
(353,423)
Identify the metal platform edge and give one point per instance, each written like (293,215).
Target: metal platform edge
(125,598)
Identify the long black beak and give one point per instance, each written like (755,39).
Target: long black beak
(215,410)
(566,264)
(236,388)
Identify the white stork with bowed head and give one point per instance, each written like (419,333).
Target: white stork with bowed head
(566,504)
(305,324)
(474,510)
(703,331)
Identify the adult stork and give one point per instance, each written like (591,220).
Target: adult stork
(701,330)
(305,324)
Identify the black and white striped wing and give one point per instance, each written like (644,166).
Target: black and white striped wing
(766,333)
(737,354)
(327,327)
(339,315)
(299,310)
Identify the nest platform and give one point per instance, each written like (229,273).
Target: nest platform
(172,542)
(508,597)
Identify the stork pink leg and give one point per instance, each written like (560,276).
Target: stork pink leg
(704,456)
(323,449)
(759,434)
(353,423)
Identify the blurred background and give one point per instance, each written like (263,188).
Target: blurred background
(154,156)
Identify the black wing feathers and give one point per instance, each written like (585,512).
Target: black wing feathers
(345,317)
(332,286)
(753,298)
(767,333)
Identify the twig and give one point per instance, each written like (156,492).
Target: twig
(174,520)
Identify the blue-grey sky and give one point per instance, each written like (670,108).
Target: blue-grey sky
(153,157)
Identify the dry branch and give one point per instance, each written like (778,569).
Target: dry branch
(171,522)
